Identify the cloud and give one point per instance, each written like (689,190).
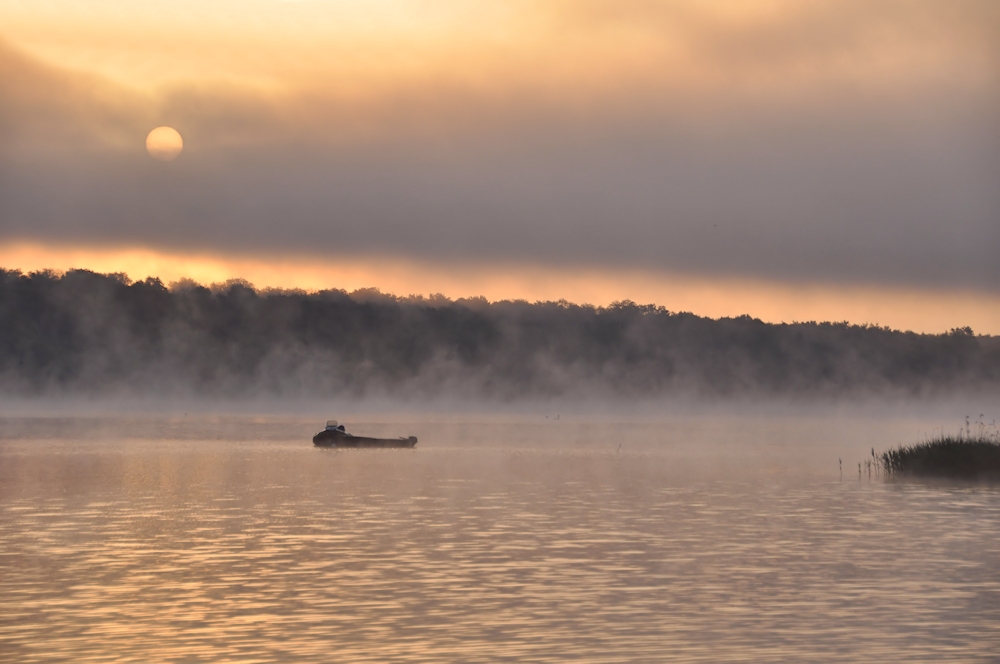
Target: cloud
(842,142)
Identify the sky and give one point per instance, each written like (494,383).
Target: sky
(790,159)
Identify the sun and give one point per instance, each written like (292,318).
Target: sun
(164,143)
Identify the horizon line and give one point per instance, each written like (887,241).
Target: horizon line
(916,309)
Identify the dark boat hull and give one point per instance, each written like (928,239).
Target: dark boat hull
(347,441)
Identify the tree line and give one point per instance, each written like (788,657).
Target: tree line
(88,332)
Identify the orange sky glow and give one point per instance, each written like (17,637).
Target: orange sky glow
(826,160)
(898,308)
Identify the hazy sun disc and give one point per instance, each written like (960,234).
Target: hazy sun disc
(164,143)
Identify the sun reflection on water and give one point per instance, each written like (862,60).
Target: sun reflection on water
(551,550)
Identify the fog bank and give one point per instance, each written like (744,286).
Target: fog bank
(89,334)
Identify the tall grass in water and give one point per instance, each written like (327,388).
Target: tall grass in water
(972,453)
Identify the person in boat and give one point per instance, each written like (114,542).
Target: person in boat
(333,426)
(335,434)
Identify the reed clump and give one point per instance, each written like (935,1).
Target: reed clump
(965,455)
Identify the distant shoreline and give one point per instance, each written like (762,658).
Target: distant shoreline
(93,335)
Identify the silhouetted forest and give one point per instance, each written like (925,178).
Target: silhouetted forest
(93,333)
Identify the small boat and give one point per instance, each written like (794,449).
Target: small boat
(334,435)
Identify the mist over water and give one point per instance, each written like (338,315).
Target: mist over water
(86,334)
(504,536)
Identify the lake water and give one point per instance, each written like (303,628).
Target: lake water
(517,538)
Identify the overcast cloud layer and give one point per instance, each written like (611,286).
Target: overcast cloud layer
(828,141)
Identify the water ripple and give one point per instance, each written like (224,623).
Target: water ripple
(221,550)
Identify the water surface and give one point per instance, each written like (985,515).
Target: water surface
(504,539)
